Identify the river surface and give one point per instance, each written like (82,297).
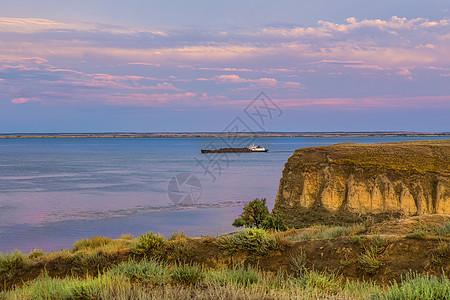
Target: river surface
(55,191)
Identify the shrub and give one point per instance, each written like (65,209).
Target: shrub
(188,274)
(9,263)
(378,244)
(274,221)
(298,263)
(90,244)
(86,261)
(369,261)
(36,254)
(440,253)
(149,243)
(321,280)
(177,236)
(180,251)
(254,241)
(255,212)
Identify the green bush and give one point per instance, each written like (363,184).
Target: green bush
(254,241)
(255,212)
(188,274)
(149,243)
(9,263)
(274,221)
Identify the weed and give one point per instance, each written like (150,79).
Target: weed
(322,280)
(298,263)
(378,244)
(443,230)
(239,276)
(324,232)
(126,236)
(9,263)
(416,287)
(36,253)
(148,271)
(440,253)
(188,274)
(419,233)
(369,261)
(90,244)
(254,241)
(87,261)
(177,236)
(358,239)
(149,243)
(179,251)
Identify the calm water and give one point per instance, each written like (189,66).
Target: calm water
(56,191)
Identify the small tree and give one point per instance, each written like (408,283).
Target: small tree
(274,221)
(255,212)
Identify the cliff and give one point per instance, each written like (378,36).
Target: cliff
(343,182)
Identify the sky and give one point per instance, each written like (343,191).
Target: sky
(176,66)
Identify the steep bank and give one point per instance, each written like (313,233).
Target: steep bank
(344,182)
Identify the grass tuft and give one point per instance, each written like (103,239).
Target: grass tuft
(91,244)
(188,274)
(416,287)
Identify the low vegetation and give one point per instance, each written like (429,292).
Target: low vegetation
(342,262)
(159,280)
(256,214)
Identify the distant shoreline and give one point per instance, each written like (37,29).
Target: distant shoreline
(221,134)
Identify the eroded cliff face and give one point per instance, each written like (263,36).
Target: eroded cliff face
(407,178)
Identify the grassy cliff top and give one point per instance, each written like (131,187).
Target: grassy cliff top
(418,156)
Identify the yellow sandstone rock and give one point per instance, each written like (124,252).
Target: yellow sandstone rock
(406,178)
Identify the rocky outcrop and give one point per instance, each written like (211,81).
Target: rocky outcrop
(352,180)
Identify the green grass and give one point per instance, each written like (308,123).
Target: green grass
(443,230)
(148,271)
(328,232)
(416,287)
(188,274)
(238,276)
(151,279)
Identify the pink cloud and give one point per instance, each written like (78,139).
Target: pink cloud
(231,79)
(23,100)
(369,102)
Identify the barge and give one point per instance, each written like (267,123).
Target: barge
(251,148)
